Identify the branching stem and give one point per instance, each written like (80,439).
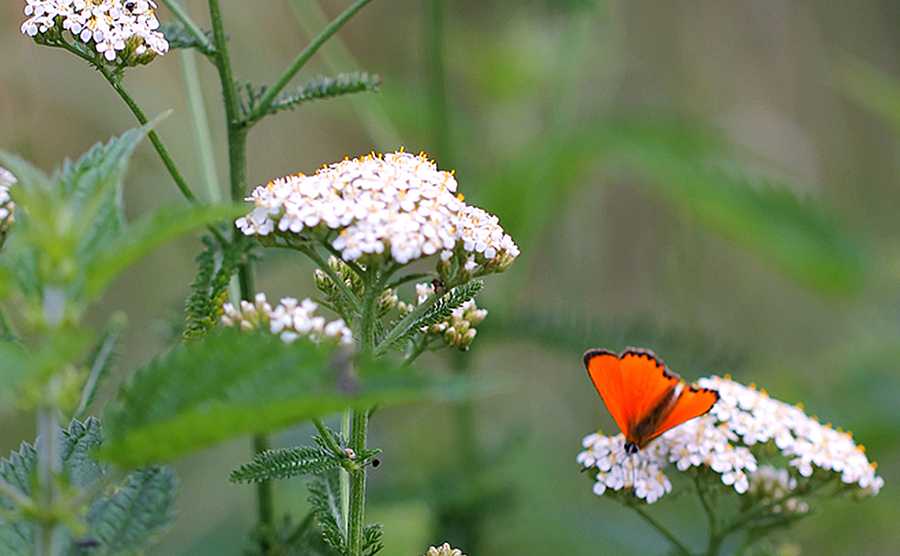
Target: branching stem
(265,103)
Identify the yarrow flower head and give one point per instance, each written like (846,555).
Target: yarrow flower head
(290,319)
(729,442)
(122,31)
(444,550)
(397,207)
(7,206)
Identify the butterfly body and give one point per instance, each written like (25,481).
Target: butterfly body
(643,396)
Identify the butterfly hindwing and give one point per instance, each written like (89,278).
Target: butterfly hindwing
(693,402)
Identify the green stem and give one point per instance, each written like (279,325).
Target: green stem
(357,512)
(661,529)
(405,323)
(437,82)
(337,57)
(715,538)
(265,103)
(237,163)
(200,125)
(47,469)
(161,149)
(326,268)
(346,424)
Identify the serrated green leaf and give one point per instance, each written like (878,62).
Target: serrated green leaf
(283,464)
(428,314)
(123,521)
(229,384)
(324,88)
(148,233)
(92,186)
(216,266)
(134,514)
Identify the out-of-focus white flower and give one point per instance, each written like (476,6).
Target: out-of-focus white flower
(397,206)
(444,550)
(290,319)
(115,28)
(7,206)
(771,484)
(722,440)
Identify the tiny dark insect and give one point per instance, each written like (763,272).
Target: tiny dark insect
(87,543)
(439,287)
(376,462)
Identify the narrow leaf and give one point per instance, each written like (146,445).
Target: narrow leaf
(100,362)
(326,87)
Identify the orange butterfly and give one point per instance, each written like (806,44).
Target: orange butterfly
(643,396)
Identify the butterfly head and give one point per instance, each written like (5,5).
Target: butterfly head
(631,448)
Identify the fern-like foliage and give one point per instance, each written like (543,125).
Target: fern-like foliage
(427,315)
(325,500)
(373,539)
(318,89)
(179,37)
(123,520)
(285,463)
(209,289)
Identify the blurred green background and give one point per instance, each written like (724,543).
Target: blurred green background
(640,152)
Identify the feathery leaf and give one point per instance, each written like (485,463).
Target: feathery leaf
(283,464)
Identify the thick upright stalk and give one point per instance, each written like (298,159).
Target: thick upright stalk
(237,165)
(356,521)
(47,469)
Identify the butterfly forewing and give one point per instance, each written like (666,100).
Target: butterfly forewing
(693,402)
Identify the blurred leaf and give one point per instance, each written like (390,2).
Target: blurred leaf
(230,383)
(24,370)
(148,233)
(100,362)
(688,167)
(122,522)
(28,176)
(92,187)
(873,89)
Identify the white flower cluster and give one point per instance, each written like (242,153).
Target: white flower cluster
(771,484)
(7,206)
(397,205)
(290,319)
(444,550)
(722,440)
(112,26)
(757,418)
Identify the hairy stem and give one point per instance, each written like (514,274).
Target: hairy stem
(357,512)
(265,103)
(676,544)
